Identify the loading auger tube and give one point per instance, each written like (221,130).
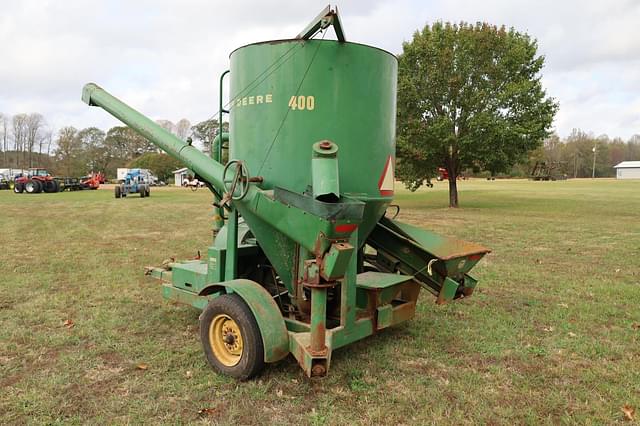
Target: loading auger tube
(209,169)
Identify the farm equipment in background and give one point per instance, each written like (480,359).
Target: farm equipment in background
(544,170)
(303,260)
(4,182)
(40,180)
(193,183)
(92,181)
(134,183)
(443,174)
(70,184)
(37,180)
(148,176)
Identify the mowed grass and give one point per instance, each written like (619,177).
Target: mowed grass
(552,335)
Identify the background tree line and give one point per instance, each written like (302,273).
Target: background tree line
(26,140)
(574,154)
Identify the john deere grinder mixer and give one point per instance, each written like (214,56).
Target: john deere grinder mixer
(304,260)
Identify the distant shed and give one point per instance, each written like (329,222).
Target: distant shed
(181,175)
(628,170)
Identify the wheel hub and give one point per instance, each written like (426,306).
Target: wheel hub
(225,338)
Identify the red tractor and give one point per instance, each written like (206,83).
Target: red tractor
(37,180)
(443,174)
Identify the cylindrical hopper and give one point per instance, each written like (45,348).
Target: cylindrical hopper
(288,95)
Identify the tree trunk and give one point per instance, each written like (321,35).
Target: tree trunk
(452,170)
(453,189)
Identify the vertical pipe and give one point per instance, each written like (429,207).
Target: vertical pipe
(221,110)
(218,212)
(231,260)
(324,172)
(216,154)
(318,318)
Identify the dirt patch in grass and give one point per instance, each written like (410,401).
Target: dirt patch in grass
(46,361)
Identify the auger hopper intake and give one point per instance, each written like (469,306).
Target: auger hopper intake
(303,259)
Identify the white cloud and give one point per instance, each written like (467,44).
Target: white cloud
(164,57)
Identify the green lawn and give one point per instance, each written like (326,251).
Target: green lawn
(552,335)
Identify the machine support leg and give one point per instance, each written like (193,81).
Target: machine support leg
(348,289)
(318,319)
(231,261)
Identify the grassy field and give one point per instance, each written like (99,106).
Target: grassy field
(551,336)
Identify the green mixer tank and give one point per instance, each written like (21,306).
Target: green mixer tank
(314,90)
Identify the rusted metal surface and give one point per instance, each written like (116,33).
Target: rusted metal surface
(325,18)
(403,312)
(318,370)
(326,144)
(431,259)
(318,320)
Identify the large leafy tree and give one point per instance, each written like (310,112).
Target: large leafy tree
(468,96)
(206,131)
(123,145)
(97,156)
(69,154)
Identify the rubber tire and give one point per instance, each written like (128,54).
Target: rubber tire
(117,192)
(32,187)
(38,186)
(141,191)
(49,186)
(147,191)
(252,360)
(18,188)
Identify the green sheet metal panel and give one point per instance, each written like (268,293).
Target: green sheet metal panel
(380,280)
(273,330)
(190,276)
(444,248)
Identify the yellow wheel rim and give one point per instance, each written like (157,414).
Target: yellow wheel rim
(226,340)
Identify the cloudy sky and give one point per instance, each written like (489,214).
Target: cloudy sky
(164,57)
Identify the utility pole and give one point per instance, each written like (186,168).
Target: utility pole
(593,171)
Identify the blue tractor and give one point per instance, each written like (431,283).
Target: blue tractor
(134,183)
